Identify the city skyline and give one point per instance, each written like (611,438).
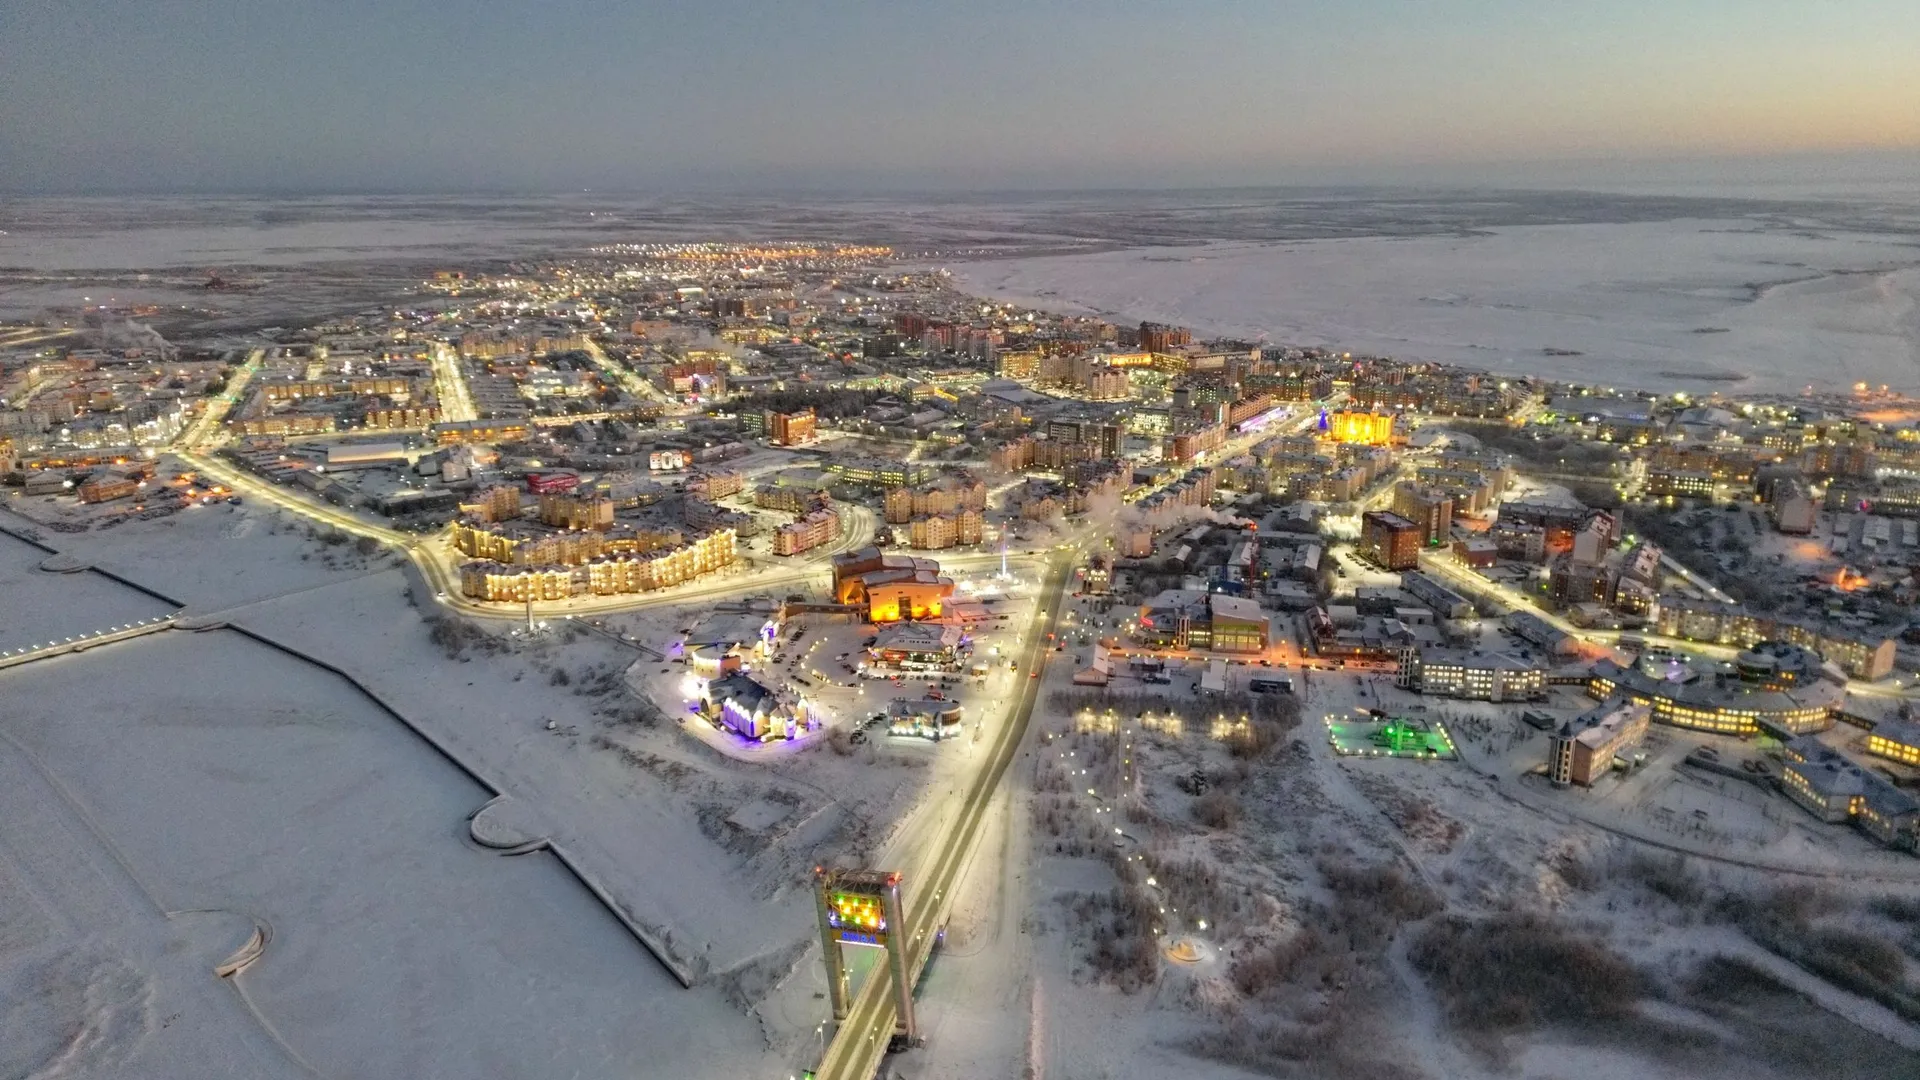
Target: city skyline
(108,96)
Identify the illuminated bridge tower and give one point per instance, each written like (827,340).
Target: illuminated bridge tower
(862,907)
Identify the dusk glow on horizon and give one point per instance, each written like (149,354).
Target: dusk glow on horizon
(222,95)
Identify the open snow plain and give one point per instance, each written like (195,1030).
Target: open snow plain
(1752,305)
(165,798)
(164,801)
(61,604)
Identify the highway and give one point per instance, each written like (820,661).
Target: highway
(861,1042)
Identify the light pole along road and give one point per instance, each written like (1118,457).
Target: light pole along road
(861,1041)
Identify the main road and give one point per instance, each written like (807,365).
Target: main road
(861,1041)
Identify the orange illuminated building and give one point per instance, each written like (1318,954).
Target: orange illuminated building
(1371,429)
(893,587)
(791,429)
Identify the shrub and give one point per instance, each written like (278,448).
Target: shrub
(1514,971)
(1217,810)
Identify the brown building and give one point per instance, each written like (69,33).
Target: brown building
(791,429)
(501,503)
(1429,508)
(1389,540)
(567,511)
(107,488)
(1160,338)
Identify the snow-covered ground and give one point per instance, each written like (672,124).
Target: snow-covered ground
(1015,994)
(1734,305)
(41,606)
(710,856)
(164,798)
(209,557)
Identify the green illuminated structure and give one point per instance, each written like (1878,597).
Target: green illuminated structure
(863,907)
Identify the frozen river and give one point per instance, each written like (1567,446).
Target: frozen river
(1693,305)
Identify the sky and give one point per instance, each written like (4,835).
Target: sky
(635,95)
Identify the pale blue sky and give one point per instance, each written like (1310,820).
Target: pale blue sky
(409,95)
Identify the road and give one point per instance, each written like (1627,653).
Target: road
(450,385)
(636,387)
(441,569)
(861,1042)
(208,424)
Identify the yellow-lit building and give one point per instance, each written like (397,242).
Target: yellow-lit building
(1783,686)
(1835,789)
(564,510)
(1896,740)
(515,584)
(892,587)
(1371,429)
(588,564)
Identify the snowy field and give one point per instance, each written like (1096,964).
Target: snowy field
(210,557)
(40,606)
(1695,305)
(164,798)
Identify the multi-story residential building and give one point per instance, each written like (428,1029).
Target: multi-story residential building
(1792,508)
(716,484)
(1679,483)
(793,500)
(568,511)
(1429,508)
(810,531)
(937,531)
(1389,540)
(1584,748)
(1189,445)
(601,574)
